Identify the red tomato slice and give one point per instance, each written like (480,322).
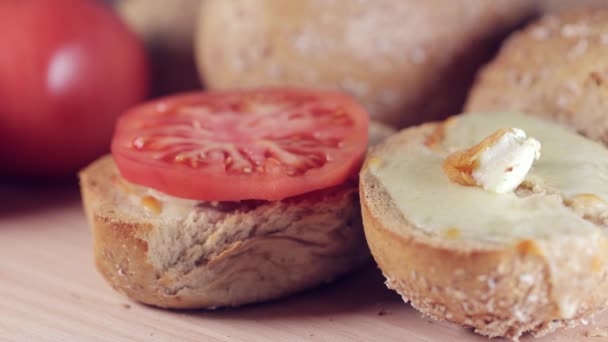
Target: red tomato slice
(264,144)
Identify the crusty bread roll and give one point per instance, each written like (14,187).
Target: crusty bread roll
(179,253)
(407,61)
(556,68)
(531,260)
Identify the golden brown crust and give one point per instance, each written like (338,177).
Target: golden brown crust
(555,68)
(264,264)
(406,61)
(497,291)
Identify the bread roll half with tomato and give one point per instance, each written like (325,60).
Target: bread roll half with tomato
(226,198)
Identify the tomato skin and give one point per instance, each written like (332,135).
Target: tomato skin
(68,69)
(215,182)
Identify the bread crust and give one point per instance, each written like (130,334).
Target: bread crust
(269,263)
(555,68)
(497,291)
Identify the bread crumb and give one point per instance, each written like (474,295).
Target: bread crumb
(383,312)
(597,332)
(125,305)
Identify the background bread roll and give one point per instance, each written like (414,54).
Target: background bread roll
(167,28)
(556,68)
(407,61)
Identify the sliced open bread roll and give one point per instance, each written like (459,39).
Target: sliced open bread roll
(533,259)
(179,253)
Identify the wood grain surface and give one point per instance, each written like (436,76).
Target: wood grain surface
(50,291)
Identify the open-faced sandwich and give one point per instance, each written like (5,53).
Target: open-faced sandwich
(225,198)
(496,221)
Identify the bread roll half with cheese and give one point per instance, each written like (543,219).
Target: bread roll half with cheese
(528,259)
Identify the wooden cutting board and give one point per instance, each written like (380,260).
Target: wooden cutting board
(50,291)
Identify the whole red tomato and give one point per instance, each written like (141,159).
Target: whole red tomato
(68,68)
